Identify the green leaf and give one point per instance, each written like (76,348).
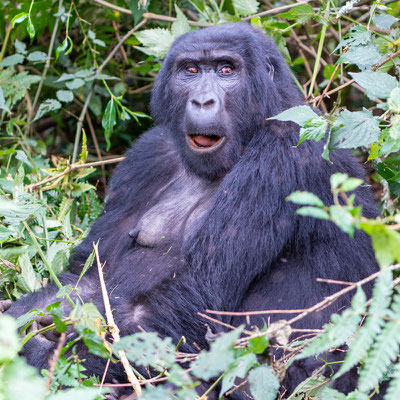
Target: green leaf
(245,7)
(138,8)
(3,105)
(88,264)
(363,56)
(65,96)
(394,130)
(314,129)
(218,359)
(9,343)
(301,13)
(377,84)
(37,56)
(307,198)
(87,315)
(354,129)
(238,369)
(264,383)
(156,41)
(393,391)
(66,46)
(27,279)
(30,28)
(299,114)
(343,219)
(258,344)
(394,100)
(356,36)
(19,18)
(20,47)
(16,213)
(337,179)
(78,394)
(181,25)
(109,120)
(312,212)
(374,151)
(356,395)
(157,393)
(12,60)
(47,106)
(76,83)
(383,20)
(147,349)
(351,184)
(327,393)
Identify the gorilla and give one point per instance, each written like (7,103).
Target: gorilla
(196,217)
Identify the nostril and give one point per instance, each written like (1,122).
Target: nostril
(196,103)
(209,103)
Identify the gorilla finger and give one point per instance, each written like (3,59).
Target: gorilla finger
(5,305)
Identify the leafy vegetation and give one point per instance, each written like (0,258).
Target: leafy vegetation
(74,83)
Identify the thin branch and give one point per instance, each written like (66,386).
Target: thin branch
(54,360)
(114,328)
(72,168)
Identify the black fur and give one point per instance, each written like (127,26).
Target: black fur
(215,231)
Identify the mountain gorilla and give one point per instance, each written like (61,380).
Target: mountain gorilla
(196,216)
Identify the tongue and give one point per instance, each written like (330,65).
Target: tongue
(204,141)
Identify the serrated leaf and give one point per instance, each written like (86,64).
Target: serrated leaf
(218,359)
(264,383)
(394,100)
(109,120)
(377,84)
(12,60)
(306,198)
(3,105)
(65,96)
(27,279)
(343,219)
(383,20)
(37,56)
(20,47)
(351,184)
(299,114)
(354,129)
(88,264)
(314,129)
(156,41)
(357,35)
(314,212)
(47,106)
(181,25)
(337,179)
(301,13)
(245,7)
(76,83)
(363,56)
(393,391)
(327,393)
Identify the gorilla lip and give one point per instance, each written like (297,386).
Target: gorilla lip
(205,142)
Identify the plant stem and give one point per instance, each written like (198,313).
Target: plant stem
(4,47)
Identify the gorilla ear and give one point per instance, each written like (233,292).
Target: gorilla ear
(270,70)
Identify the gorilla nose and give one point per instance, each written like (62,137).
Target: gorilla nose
(202,109)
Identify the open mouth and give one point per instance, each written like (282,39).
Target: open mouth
(205,142)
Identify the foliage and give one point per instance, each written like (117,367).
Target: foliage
(74,83)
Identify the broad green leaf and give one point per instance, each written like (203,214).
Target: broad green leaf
(19,18)
(3,105)
(218,359)
(363,56)
(351,184)
(299,114)
(337,179)
(37,56)
(12,60)
(20,47)
(47,106)
(156,41)
(109,120)
(76,83)
(374,151)
(238,369)
(394,130)
(258,344)
(394,100)
(181,25)
(30,28)
(354,129)
(314,129)
(138,8)
(264,383)
(356,36)
(78,394)
(88,315)
(306,198)
(343,219)
(147,349)
(377,84)
(327,393)
(314,212)
(15,212)
(245,7)
(301,13)
(157,393)
(9,343)
(27,278)
(384,21)
(65,96)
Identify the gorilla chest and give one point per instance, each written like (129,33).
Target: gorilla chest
(174,211)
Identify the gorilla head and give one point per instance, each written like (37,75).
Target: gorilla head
(214,91)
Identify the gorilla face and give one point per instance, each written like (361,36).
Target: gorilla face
(208,139)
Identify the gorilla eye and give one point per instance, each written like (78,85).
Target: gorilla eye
(227,69)
(192,69)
